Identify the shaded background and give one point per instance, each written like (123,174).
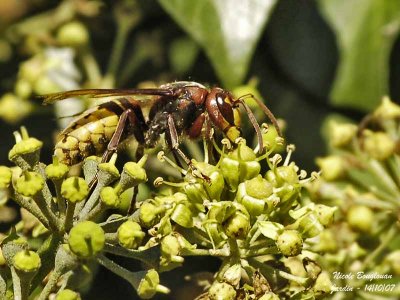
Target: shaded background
(311,59)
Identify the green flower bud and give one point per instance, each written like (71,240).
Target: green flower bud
(27,261)
(249,88)
(287,174)
(255,194)
(290,243)
(5,177)
(130,235)
(109,197)
(269,296)
(68,295)
(378,145)
(132,175)
(272,140)
(170,245)
(237,226)
(239,165)
(86,239)
(29,184)
(216,185)
(149,214)
(73,34)
(25,153)
(325,214)
(56,170)
(221,291)
(196,192)
(110,169)
(360,218)
(309,225)
(148,285)
(332,167)
(387,110)
(341,134)
(74,189)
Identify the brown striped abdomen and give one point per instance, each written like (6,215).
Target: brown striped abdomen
(86,136)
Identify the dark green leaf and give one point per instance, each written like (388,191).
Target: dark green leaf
(365,31)
(227,30)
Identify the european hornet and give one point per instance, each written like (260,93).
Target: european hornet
(176,109)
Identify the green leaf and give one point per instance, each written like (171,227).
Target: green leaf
(227,30)
(365,31)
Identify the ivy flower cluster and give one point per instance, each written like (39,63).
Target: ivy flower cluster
(362,177)
(244,209)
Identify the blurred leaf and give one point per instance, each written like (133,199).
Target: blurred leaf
(228,31)
(365,31)
(182,54)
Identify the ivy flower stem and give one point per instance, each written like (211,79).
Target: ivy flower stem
(51,283)
(32,207)
(21,290)
(69,216)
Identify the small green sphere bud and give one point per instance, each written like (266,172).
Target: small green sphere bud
(109,168)
(109,197)
(27,261)
(387,110)
(237,226)
(325,214)
(378,145)
(25,146)
(73,34)
(221,291)
(5,177)
(68,295)
(286,174)
(332,167)
(239,165)
(254,193)
(86,239)
(148,214)
(130,235)
(360,218)
(272,140)
(290,243)
(74,189)
(269,296)
(216,185)
(56,170)
(149,284)
(170,245)
(29,184)
(341,134)
(136,171)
